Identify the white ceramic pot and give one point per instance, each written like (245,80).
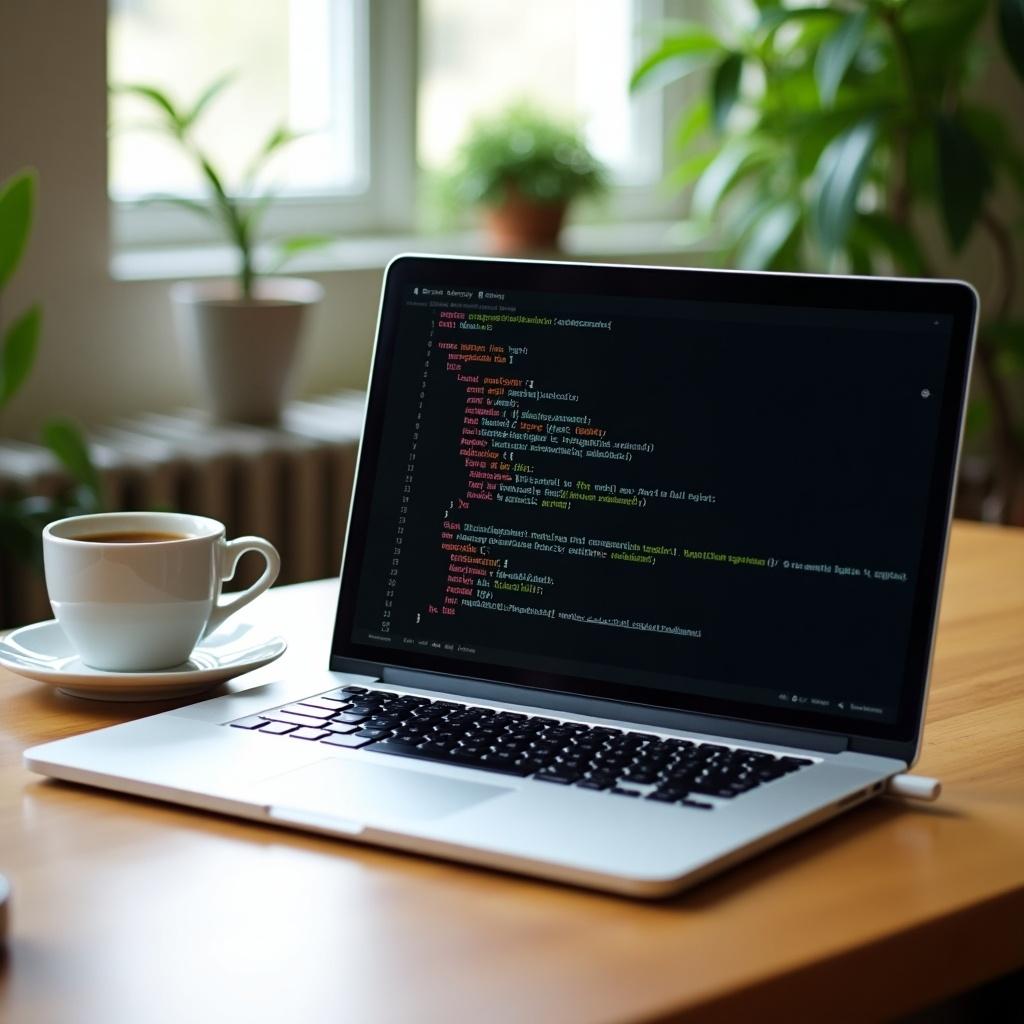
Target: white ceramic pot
(243,351)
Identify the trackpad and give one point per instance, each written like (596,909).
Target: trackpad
(343,788)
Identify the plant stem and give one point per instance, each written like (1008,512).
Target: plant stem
(902,194)
(246,276)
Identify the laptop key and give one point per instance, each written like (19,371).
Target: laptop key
(306,733)
(324,702)
(309,711)
(374,734)
(556,775)
(441,756)
(339,729)
(287,716)
(252,722)
(338,740)
(278,728)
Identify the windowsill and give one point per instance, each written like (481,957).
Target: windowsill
(644,242)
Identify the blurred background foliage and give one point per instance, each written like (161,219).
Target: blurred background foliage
(844,137)
(22,517)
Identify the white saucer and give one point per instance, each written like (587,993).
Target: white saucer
(43,652)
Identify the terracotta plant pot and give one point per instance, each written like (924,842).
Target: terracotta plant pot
(521,223)
(243,351)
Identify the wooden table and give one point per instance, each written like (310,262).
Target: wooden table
(126,910)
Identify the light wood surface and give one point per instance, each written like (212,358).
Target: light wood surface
(126,910)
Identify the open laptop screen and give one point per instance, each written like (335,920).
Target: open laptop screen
(721,492)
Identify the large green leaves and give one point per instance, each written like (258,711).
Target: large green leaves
(65,440)
(1011,29)
(838,178)
(720,174)
(880,232)
(19,352)
(965,177)
(17,201)
(836,54)
(768,235)
(20,340)
(725,88)
(686,49)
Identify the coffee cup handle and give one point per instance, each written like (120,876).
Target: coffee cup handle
(230,552)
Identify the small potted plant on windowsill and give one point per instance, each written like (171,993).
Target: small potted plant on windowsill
(241,336)
(524,168)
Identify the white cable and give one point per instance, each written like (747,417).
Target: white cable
(915,787)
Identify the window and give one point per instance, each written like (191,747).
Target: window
(478,58)
(354,77)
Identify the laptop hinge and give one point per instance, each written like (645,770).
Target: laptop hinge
(633,714)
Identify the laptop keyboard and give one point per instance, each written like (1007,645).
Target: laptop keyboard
(629,764)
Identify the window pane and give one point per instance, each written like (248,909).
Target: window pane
(570,57)
(294,63)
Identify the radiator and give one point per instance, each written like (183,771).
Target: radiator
(290,483)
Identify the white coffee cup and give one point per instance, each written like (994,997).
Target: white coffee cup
(139,606)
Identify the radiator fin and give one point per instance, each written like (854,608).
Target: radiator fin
(291,484)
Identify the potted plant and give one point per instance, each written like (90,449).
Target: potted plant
(833,136)
(524,168)
(241,336)
(22,517)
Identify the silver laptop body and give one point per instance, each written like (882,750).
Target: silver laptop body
(754,659)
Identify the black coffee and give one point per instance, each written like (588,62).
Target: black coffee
(130,537)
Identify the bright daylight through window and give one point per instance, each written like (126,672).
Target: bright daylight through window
(306,64)
(578,68)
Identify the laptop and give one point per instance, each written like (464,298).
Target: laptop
(641,576)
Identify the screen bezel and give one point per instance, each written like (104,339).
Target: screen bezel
(954,298)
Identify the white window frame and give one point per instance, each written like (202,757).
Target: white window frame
(388,53)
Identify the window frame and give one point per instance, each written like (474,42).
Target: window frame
(389,57)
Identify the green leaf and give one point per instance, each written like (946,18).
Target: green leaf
(1007,336)
(278,138)
(768,236)
(879,231)
(719,175)
(725,88)
(19,353)
(206,97)
(689,170)
(991,130)
(289,248)
(192,205)
(176,121)
(678,55)
(65,440)
(253,213)
(1011,31)
(836,55)
(693,122)
(17,201)
(979,417)
(860,257)
(303,243)
(965,177)
(839,176)
(774,15)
